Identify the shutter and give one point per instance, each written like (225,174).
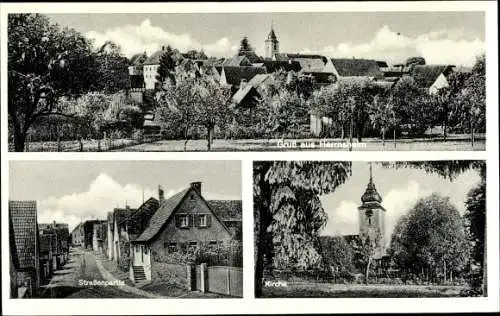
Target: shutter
(192,220)
(177,220)
(209,219)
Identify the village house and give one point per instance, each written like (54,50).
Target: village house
(60,232)
(136,70)
(117,236)
(83,234)
(48,250)
(25,248)
(184,221)
(431,77)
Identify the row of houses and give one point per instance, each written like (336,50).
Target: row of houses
(139,239)
(37,250)
(249,75)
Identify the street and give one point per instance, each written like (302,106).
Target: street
(82,266)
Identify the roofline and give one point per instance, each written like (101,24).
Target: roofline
(175,210)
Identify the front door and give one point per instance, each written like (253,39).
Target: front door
(138,255)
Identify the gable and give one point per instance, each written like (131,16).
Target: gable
(188,212)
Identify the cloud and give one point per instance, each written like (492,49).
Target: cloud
(150,38)
(102,195)
(449,46)
(343,220)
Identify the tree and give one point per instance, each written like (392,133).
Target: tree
(475,216)
(338,254)
(288,213)
(471,103)
(431,240)
(45,62)
(288,112)
(166,70)
(245,47)
(383,116)
(112,68)
(195,102)
(213,110)
(365,250)
(415,61)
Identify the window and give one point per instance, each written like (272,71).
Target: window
(202,220)
(183,221)
(192,244)
(212,242)
(172,246)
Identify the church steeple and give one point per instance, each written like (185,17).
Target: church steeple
(271,43)
(372,215)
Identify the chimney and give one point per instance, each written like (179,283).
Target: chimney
(243,83)
(196,186)
(161,194)
(163,48)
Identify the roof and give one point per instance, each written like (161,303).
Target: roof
(236,61)
(426,75)
(272,35)
(235,74)
(349,67)
(122,214)
(138,59)
(287,65)
(154,59)
(161,216)
(23,215)
(256,81)
(141,217)
(226,210)
(311,64)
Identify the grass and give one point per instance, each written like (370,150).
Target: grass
(453,143)
(310,289)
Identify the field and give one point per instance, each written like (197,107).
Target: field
(298,290)
(453,143)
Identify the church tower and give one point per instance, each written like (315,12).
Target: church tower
(272,44)
(372,217)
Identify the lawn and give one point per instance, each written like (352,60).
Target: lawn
(453,143)
(303,289)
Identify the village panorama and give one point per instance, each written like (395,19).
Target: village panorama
(66,94)
(182,241)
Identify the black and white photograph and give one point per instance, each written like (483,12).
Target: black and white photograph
(370,229)
(247,81)
(125,229)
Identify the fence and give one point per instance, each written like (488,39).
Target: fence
(86,145)
(218,279)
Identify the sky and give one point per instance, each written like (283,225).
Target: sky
(73,191)
(440,37)
(400,189)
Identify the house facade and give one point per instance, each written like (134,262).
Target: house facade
(185,220)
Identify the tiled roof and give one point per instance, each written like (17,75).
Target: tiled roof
(286,65)
(23,215)
(235,74)
(139,219)
(253,83)
(349,67)
(311,64)
(161,216)
(426,75)
(226,210)
(236,61)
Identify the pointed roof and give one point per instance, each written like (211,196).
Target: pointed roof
(371,198)
(24,233)
(272,36)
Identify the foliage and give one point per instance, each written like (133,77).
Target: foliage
(383,115)
(338,255)
(297,214)
(415,61)
(195,102)
(166,70)
(230,254)
(44,63)
(415,107)
(111,69)
(430,239)
(365,250)
(288,112)
(194,54)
